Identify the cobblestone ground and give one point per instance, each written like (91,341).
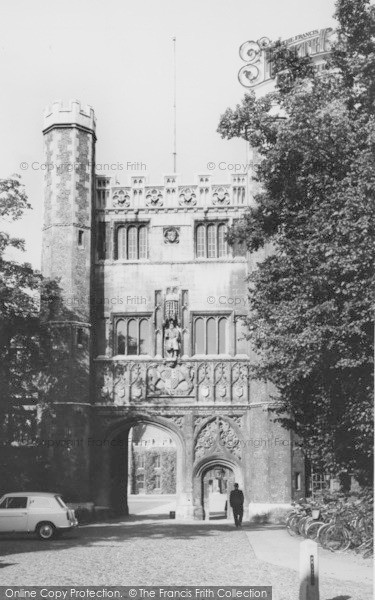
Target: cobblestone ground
(144,552)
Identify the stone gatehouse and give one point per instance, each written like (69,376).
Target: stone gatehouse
(156,302)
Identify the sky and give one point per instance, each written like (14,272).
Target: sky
(117,56)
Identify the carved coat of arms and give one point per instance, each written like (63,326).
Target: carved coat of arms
(174,381)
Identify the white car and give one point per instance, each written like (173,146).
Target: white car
(35,512)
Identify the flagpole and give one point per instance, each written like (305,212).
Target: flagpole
(174,108)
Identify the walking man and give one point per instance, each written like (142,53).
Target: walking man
(236,501)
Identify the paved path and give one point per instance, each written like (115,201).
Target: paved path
(274,545)
(156,552)
(152,504)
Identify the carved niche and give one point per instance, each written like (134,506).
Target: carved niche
(104,383)
(216,436)
(172,333)
(172,305)
(222,383)
(120,385)
(204,383)
(240,383)
(137,382)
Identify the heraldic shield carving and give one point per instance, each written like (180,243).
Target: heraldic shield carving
(163,380)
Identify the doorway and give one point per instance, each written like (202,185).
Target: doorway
(217,483)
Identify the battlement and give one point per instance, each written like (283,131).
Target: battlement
(172,193)
(73,113)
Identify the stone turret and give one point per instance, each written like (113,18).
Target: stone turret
(69,136)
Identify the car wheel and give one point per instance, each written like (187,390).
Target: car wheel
(45,531)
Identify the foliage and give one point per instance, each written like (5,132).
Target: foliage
(19,352)
(39,364)
(168,472)
(167,469)
(23,467)
(19,285)
(149,472)
(310,317)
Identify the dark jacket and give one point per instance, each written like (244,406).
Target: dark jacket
(236,498)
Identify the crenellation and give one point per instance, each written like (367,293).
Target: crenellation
(73,114)
(203,193)
(138,181)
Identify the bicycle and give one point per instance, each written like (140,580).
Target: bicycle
(335,536)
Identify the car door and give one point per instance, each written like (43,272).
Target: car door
(13,514)
(42,508)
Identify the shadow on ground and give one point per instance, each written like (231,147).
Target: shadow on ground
(124,530)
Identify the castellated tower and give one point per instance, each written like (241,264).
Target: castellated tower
(69,135)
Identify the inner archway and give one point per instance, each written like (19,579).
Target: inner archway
(213,480)
(217,483)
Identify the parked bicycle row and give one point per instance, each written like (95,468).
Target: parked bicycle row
(336,523)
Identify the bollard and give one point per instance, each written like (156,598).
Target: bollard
(308,571)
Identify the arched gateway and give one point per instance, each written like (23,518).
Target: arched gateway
(216,443)
(110,477)
(152,319)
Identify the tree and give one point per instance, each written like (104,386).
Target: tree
(36,364)
(19,348)
(310,300)
(19,299)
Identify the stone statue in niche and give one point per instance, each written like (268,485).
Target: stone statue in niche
(172,330)
(172,340)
